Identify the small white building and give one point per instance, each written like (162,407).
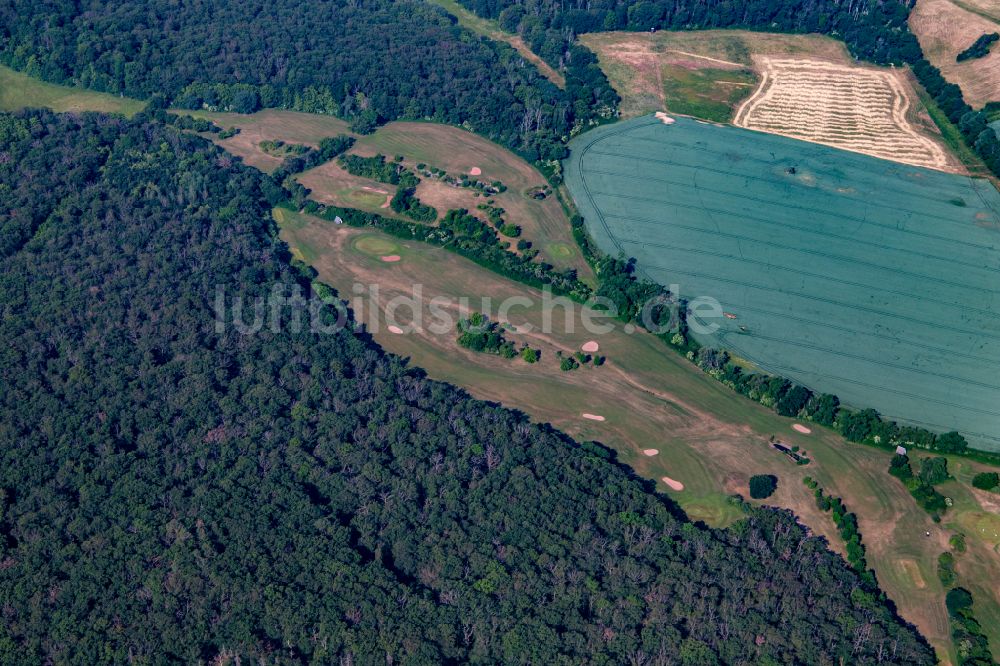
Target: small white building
(900,450)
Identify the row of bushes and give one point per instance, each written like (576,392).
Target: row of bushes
(480,334)
(980,48)
(970,641)
(406,203)
(329,148)
(377,168)
(973,125)
(847,525)
(483,249)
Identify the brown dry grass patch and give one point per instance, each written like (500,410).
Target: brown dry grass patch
(332,185)
(944,30)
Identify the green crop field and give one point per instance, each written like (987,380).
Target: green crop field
(873,280)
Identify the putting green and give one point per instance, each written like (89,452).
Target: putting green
(375,246)
(559,250)
(363,198)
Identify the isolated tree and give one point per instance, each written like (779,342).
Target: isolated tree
(763,486)
(951,442)
(986,480)
(934,470)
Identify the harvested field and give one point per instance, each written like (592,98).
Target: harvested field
(850,275)
(861,109)
(701,73)
(945,29)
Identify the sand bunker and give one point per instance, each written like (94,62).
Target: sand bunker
(663,118)
(396,329)
(590,346)
(593,417)
(388,201)
(801,428)
(475,171)
(674,485)
(390,258)
(649,452)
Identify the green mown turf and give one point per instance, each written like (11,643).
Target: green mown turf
(870,279)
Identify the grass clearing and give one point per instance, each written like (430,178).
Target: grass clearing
(19,91)
(270,124)
(544,222)
(707,93)
(709,438)
(491,30)
(860,277)
(945,29)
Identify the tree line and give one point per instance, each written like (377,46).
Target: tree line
(369,61)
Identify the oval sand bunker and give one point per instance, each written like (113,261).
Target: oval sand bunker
(593,417)
(591,346)
(390,258)
(663,118)
(649,452)
(674,485)
(475,171)
(396,329)
(801,428)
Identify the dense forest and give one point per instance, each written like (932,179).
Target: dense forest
(367,60)
(874,30)
(174,490)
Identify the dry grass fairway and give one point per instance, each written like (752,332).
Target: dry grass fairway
(272,124)
(944,29)
(332,185)
(708,437)
(862,109)
(455,150)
